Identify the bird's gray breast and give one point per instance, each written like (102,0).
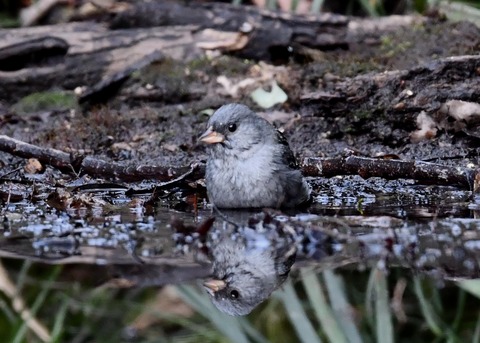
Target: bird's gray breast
(244,180)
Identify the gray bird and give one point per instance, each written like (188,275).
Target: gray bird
(247,269)
(250,163)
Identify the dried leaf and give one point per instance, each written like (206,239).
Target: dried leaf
(269,99)
(233,89)
(427,128)
(461,110)
(170,147)
(33,166)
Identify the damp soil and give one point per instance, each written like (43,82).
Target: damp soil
(163,129)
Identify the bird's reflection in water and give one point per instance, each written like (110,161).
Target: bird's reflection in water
(250,258)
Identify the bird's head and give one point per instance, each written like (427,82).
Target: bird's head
(244,275)
(235,127)
(230,297)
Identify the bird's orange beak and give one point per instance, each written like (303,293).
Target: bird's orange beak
(211,137)
(213,285)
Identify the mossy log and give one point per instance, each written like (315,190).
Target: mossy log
(86,55)
(95,58)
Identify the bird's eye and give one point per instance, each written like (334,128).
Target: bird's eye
(232,127)
(234,294)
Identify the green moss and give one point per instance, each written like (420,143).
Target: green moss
(199,63)
(386,42)
(227,65)
(7,21)
(362,115)
(165,69)
(46,101)
(223,65)
(400,42)
(350,130)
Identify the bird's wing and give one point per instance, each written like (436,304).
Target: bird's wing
(287,154)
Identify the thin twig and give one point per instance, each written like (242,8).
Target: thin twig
(10,172)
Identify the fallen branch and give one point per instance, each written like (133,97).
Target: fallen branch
(422,172)
(93,166)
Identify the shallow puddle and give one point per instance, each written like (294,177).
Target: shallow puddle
(391,246)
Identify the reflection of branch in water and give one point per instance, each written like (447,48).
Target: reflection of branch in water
(252,254)
(252,259)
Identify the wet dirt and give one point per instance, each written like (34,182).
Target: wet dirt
(163,128)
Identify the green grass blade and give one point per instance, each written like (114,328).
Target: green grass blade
(271,4)
(462,295)
(22,275)
(316,6)
(294,5)
(458,11)
(322,310)
(367,7)
(39,301)
(190,295)
(59,321)
(7,311)
(383,317)
(427,310)
(471,286)
(303,327)
(476,334)
(251,331)
(199,329)
(340,305)
(369,299)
